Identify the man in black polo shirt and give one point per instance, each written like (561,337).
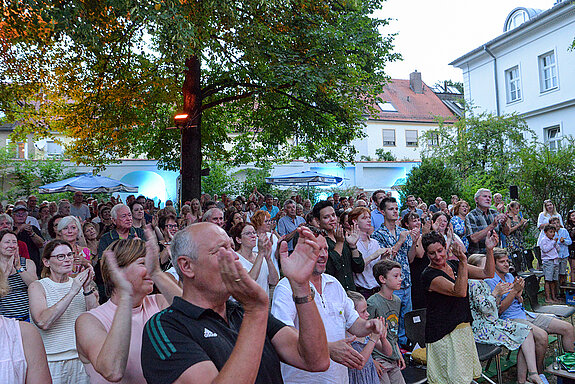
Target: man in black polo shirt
(203,336)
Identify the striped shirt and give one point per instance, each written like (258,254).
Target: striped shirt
(15,304)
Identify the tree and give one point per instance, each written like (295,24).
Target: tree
(219,181)
(109,73)
(547,174)
(431,179)
(28,175)
(481,146)
(383,155)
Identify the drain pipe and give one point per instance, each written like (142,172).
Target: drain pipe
(494,77)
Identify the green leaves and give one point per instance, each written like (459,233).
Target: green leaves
(280,79)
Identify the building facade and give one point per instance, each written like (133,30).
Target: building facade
(529,70)
(406,111)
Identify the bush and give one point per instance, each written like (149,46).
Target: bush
(431,179)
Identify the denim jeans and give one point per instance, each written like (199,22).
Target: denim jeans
(405,295)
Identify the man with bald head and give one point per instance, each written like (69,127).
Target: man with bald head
(204,338)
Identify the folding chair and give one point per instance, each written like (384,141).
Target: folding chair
(487,352)
(415,331)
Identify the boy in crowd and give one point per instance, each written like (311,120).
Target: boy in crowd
(387,305)
(550,259)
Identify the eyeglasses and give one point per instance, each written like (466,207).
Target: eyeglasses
(171,226)
(250,233)
(63,256)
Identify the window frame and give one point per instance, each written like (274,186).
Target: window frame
(18,149)
(383,137)
(509,82)
(553,143)
(542,68)
(433,139)
(407,143)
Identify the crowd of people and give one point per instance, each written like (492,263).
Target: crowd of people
(249,290)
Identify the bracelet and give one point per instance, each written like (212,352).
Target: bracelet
(305,299)
(368,339)
(353,249)
(89,292)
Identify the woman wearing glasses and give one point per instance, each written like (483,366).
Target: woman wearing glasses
(259,264)
(56,301)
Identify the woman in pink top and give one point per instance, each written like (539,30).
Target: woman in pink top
(109,338)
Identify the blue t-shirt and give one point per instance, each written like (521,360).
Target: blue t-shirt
(275,210)
(515,310)
(376,219)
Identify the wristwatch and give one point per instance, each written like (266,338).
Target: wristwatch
(89,292)
(304,299)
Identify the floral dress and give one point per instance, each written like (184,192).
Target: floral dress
(515,238)
(487,327)
(459,229)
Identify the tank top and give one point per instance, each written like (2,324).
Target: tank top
(12,359)
(61,338)
(15,304)
(140,315)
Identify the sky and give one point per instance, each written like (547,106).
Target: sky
(433,33)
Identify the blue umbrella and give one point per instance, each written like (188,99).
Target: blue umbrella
(88,183)
(304,178)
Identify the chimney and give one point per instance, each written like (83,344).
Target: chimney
(415,82)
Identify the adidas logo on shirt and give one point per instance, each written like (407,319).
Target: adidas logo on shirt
(208,333)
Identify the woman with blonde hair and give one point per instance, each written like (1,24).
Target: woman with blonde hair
(548,212)
(262,222)
(70,230)
(460,210)
(109,338)
(56,301)
(196,211)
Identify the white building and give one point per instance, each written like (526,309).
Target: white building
(408,108)
(529,69)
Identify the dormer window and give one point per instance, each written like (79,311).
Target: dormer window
(516,19)
(386,106)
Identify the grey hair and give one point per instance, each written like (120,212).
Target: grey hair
(475,259)
(72,219)
(209,213)
(479,192)
(7,217)
(116,208)
(289,201)
(183,244)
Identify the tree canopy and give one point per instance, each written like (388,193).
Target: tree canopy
(110,74)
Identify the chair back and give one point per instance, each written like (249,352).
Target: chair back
(528,257)
(532,290)
(415,326)
(515,261)
(537,253)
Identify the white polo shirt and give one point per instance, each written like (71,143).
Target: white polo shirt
(338,314)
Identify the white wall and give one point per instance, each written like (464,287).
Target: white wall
(374,139)
(540,110)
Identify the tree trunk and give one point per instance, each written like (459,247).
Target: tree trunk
(191,150)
